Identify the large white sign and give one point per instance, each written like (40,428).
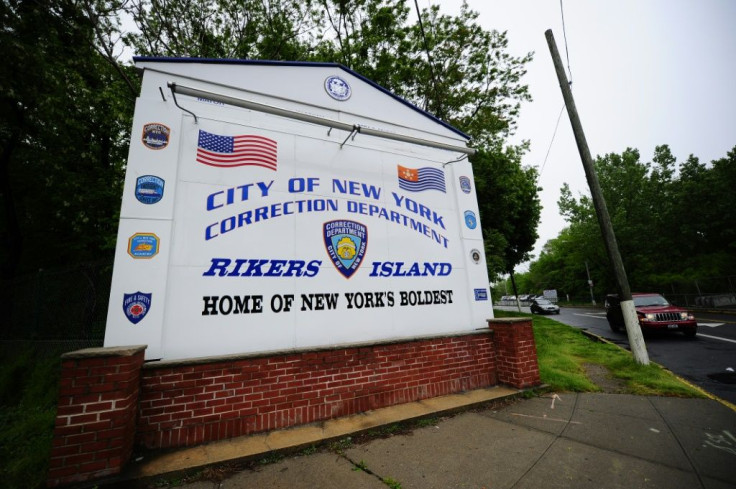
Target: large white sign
(244,231)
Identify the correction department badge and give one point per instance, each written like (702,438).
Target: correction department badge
(346,243)
(155,135)
(136,306)
(465,184)
(470,219)
(149,189)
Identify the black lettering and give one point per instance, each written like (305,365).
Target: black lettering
(331,300)
(210,306)
(226,305)
(257,304)
(241,305)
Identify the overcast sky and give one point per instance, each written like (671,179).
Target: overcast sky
(644,72)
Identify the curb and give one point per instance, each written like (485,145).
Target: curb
(705,393)
(187,461)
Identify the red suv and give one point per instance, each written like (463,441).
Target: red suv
(654,313)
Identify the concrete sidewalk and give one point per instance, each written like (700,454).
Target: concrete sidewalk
(558,440)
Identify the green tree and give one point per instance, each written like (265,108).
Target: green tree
(672,223)
(447,65)
(67,101)
(244,29)
(509,208)
(63,129)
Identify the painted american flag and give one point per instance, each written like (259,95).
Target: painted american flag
(420,179)
(231,151)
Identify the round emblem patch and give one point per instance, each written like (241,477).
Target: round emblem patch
(475,256)
(149,189)
(465,184)
(338,88)
(470,219)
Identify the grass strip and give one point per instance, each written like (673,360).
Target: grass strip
(562,350)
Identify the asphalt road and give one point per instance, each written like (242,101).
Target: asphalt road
(702,360)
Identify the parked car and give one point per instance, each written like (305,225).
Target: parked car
(544,306)
(654,313)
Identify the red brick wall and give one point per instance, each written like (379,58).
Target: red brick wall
(109,399)
(183,404)
(516,352)
(95,419)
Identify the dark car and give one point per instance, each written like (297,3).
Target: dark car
(543,306)
(654,313)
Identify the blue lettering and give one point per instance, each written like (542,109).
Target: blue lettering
(416,269)
(211,201)
(356,188)
(208,232)
(218,264)
(243,267)
(215,201)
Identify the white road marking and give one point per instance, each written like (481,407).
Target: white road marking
(545,418)
(716,338)
(555,397)
(711,325)
(591,315)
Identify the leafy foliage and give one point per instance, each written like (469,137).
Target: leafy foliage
(509,208)
(63,131)
(672,223)
(67,101)
(28,395)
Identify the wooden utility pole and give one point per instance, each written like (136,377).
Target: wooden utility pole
(636,340)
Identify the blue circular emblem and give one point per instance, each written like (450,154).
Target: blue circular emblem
(465,184)
(338,88)
(470,219)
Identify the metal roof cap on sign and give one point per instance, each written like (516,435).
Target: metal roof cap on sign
(306,64)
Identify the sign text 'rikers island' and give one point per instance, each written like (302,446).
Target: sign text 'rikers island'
(263,267)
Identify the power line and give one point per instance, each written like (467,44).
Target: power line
(569,71)
(553,139)
(564,35)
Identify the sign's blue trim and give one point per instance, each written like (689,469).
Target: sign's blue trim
(161,59)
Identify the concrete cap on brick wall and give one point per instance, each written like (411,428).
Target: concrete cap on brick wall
(114,351)
(507,320)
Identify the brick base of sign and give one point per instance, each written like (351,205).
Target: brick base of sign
(516,351)
(110,401)
(188,404)
(95,419)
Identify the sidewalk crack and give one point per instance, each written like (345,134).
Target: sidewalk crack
(554,440)
(679,443)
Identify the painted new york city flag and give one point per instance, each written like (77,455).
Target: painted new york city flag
(420,179)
